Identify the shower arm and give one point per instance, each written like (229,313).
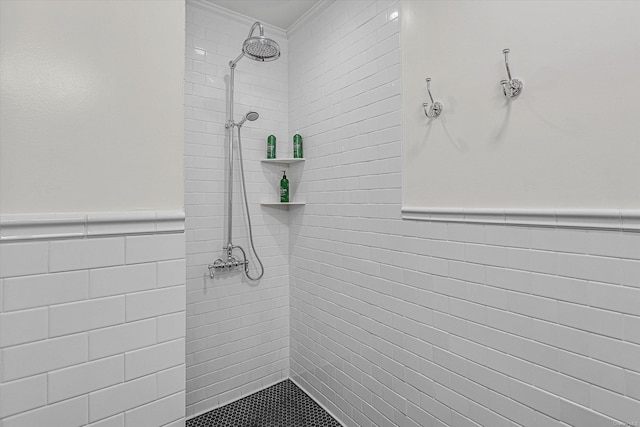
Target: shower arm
(257,24)
(253,28)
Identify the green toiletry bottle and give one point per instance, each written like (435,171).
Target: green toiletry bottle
(297,146)
(284,188)
(271,147)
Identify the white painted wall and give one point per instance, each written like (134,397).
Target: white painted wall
(91,98)
(415,323)
(569,141)
(237,332)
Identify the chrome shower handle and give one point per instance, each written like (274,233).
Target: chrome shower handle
(221,265)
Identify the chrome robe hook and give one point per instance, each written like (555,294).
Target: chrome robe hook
(510,87)
(436,107)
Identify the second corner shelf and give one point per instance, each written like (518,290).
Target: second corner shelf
(282,203)
(284,160)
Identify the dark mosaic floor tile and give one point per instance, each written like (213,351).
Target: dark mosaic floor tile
(281,405)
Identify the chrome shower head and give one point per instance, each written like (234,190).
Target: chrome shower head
(251,116)
(261,49)
(258,48)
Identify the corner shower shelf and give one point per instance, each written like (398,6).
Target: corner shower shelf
(281,203)
(283,161)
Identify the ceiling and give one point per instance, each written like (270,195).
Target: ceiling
(280,13)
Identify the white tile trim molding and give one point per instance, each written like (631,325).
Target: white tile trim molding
(67,226)
(589,219)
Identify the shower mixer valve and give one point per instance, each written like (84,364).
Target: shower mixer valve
(221,265)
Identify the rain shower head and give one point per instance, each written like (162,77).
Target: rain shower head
(258,48)
(251,116)
(261,49)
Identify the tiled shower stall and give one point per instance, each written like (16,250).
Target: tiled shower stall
(237,332)
(396,322)
(384,321)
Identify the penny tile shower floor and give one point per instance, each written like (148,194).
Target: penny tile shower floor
(281,405)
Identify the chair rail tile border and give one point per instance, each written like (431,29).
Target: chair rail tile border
(24,227)
(587,219)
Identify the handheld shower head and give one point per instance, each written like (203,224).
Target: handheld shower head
(251,116)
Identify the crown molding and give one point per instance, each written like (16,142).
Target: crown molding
(243,19)
(308,15)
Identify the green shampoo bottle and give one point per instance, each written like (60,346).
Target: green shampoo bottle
(284,188)
(271,147)
(297,146)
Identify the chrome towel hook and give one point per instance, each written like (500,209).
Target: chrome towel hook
(511,87)
(436,107)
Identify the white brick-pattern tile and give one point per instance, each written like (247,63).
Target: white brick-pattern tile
(158,413)
(82,254)
(154,248)
(122,280)
(23,326)
(72,413)
(171,381)
(43,356)
(85,378)
(171,326)
(122,338)
(121,397)
(228,318)
(23,395)
(115,421)
(19,259)
(150,304)
(154,359)
(86,315)
(73,344)
(45,289)
(412,323)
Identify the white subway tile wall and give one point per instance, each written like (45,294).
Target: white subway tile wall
(237,331)
(410,323)
(89,336)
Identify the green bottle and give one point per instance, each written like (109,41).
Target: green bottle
(271,147)
(284,188)
(297,146)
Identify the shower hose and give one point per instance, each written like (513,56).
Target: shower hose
(246,205)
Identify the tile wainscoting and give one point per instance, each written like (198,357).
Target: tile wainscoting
(92,319)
